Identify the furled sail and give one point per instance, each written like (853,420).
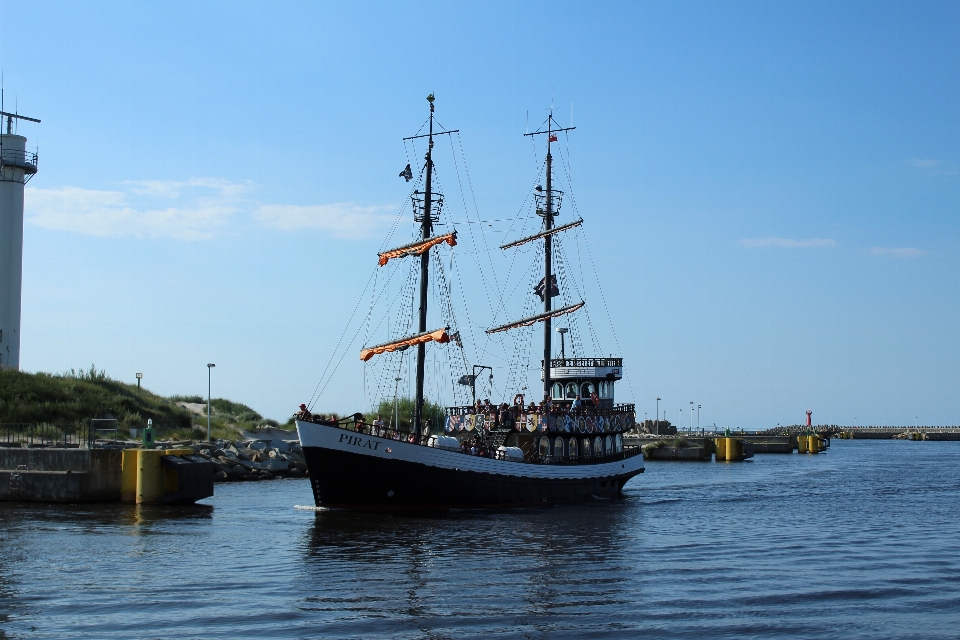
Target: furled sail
(543,234)
(437,335)
(417,248)
(526,322)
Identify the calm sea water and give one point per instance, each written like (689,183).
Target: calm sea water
(863,541)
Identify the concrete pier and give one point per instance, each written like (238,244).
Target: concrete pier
(59,475)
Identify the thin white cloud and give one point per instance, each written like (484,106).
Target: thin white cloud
(341,219)
(787,242)
(173,188)
(194,209)
(898,252)
(109,213)
(936,167)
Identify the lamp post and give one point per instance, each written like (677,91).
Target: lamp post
(396,405)
(658,415)
(210,367)
(691,415)
(139,377)
(698,417)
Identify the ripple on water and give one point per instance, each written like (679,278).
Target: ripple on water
(858,542)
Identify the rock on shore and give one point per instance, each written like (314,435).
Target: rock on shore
(253,459)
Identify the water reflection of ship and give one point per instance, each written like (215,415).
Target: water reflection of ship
(567,448)
(390,567)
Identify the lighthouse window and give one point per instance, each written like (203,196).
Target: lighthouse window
(573,447)
(544,446)
(586,447)
(609,443)
(558,448)
(558,391)
(571,390)
(586,390)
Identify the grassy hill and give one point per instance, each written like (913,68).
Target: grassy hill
(73,398)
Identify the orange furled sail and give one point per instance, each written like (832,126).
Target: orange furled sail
(437,335)
(417,248)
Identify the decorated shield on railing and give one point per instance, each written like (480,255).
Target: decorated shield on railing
(591,424)
(601,423)
(448,423)
(617,423)
(568,424)
(471,422)
(582,424)
(552,424)
(490,423)
(531,422)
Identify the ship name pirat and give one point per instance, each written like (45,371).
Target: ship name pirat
(363,443)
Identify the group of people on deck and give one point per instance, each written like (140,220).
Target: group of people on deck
(505,412)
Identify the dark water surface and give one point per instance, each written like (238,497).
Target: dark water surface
(863,541)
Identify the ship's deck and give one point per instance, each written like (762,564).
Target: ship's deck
(479,447)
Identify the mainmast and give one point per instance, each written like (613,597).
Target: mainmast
(548,266)
(548,213)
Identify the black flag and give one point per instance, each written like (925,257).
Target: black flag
(554,290)
(407,173)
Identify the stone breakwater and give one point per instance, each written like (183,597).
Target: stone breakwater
(252,459)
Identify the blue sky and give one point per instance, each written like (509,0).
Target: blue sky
(769,190)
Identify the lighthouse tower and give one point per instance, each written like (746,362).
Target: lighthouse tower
(17,166)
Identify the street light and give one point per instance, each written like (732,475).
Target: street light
(691,415)
(139,377)
(396,405)
(698,417)
(658,415)
(210,367)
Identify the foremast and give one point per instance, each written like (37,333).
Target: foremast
(426,229)
(425,207)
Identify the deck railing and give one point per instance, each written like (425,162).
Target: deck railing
(585,362)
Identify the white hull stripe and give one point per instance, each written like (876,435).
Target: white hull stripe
(326,437)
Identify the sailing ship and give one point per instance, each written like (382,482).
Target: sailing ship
(567,448)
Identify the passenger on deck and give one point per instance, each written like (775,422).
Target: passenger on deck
(576,405)
(303,414)
(532,408)
(378,426)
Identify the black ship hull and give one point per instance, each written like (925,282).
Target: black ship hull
(357,471)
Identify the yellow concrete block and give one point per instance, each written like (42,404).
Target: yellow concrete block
(721,445)
(802,442)
(149,476)
(128,476)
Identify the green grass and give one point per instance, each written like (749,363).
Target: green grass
(72,399)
